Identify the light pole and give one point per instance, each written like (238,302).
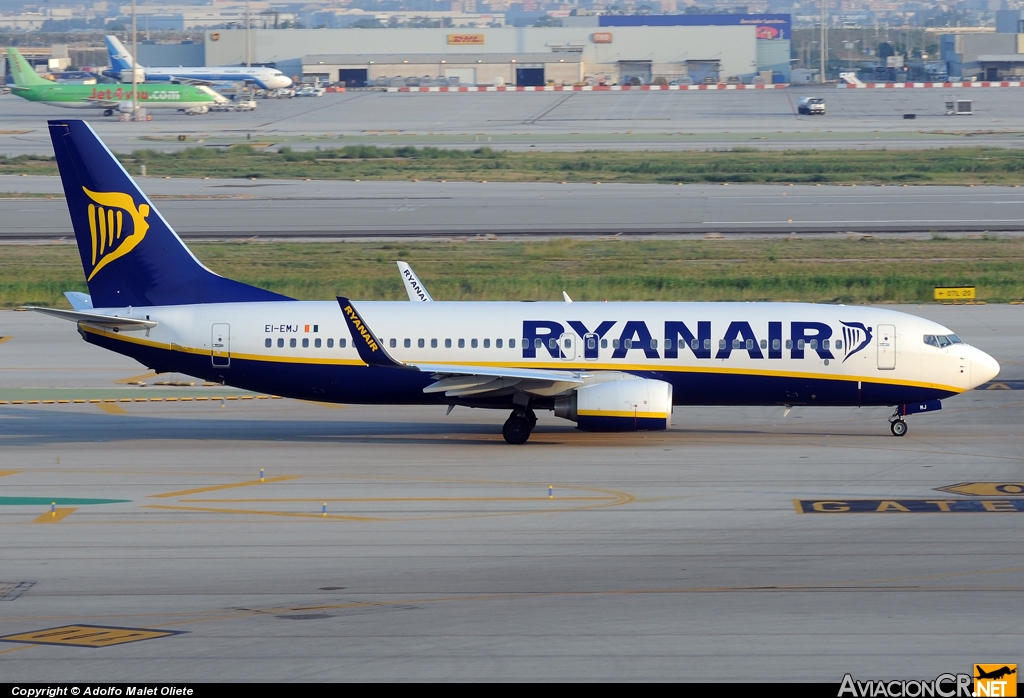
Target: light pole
(248,44)
(824,43)
(135,72)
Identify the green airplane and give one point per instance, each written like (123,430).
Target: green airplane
(191,99)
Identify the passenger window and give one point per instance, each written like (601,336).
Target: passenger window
(776,344)
(604,343)
(497,343)
(316,342)
(511,344)
(824,344)
(407,343)
(420,343)
(654,344)
(291,343)
(800,344)
(341,342)
(305,342)
(839,344)
(330,343)
(736,344)
(694,344)
(814,344)
(472,343)
(268,342)
(789,343)
(615,344)
(568,343)
(750,344)
(930,340)
(462,344)
(447,344)
(629,343)
(553,343)
(487,344)
(764,343)
(433,343)
(721,344)
(707,344)
(591,343)
(538,343)
(280,342)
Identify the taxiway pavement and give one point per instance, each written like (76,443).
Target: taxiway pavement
(661,556)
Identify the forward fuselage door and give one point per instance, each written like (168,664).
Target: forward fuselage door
(220,345)
(886,347)
(567,346)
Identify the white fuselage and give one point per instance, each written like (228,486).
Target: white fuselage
(712,353)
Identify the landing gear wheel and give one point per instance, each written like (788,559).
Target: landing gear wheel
(898,427)
(108,112)
(516,430)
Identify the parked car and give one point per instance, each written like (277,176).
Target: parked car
(243,105)
(682,80)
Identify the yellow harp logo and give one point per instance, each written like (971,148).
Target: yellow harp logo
(111,238)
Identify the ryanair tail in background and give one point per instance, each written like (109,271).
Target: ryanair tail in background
(130,254)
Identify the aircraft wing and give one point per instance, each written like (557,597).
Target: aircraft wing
(110,322)
(108,103)
(455,380)
(193,81)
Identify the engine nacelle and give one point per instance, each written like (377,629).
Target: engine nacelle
(632,404)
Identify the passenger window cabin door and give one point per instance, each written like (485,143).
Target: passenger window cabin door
(220,345)
(567,346)
(590,346)
(886,339)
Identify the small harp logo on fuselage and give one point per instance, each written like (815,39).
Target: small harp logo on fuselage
(116,226)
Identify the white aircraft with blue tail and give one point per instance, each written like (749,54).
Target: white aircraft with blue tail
(604,366)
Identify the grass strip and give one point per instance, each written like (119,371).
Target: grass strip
(960,166)
(866,270)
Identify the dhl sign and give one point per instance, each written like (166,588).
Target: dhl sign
(466,39)
(601,37)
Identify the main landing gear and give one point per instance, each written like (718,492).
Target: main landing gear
(108,112)
(519,425)
(897,426)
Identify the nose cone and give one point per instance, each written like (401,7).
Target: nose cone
(281,81)
(983,367)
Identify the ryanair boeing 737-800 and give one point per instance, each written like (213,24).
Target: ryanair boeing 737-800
(605,366)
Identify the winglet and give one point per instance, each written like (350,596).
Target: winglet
(413,286)
(371,350)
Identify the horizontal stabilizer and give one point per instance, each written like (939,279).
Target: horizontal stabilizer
(79,301)
(110,322)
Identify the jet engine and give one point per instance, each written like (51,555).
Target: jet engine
(630,404)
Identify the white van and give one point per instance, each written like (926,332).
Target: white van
(811,105)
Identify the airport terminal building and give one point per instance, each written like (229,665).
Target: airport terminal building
(742,48)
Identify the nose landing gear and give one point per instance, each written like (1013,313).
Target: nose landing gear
(897,426)
(518,426)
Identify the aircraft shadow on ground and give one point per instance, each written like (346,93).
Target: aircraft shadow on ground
(31,427)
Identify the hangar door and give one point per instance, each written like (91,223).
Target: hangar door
(530,77)
(353,77)
(634,72)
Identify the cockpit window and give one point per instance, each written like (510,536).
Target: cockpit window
(941,340)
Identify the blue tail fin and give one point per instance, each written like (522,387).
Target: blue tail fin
(130,254)
(120,59)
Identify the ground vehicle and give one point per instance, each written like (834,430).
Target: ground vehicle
(243,105)
(811,105)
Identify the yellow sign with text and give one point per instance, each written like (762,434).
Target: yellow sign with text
(466,39)
(954,293)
